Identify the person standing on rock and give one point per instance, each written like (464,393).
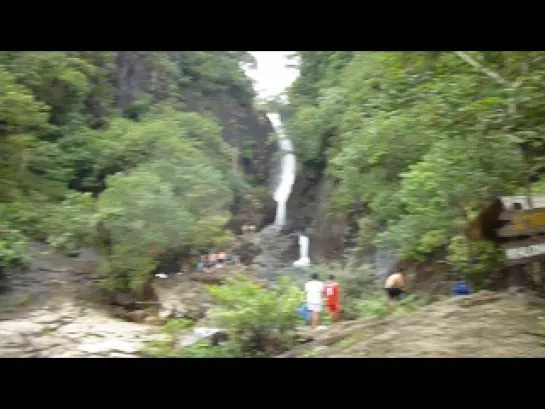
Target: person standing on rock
(394,287)
(332,293)
(314,290)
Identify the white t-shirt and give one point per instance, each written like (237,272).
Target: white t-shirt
(314,290)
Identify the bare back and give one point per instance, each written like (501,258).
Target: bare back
(395,281)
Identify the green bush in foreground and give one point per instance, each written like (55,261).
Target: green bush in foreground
(166,347)
(259,321)
(13,249)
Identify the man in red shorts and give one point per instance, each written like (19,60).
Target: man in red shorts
(333,300)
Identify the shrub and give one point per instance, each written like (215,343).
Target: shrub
(13,249)
(126,268)
(462,249)
(202,349)
(73,223)
(259,321)
(166,347)
(27,217)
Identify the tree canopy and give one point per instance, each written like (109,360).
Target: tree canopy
(423,139)
(117,149)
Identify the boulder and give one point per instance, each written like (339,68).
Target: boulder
(216,336)
(136,316)
(180,297)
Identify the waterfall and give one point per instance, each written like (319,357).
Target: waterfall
(287,171)
(285,185)
(304,260)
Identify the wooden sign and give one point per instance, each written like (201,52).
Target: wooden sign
(523,223)
(525,251)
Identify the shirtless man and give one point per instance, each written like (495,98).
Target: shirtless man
(394,288)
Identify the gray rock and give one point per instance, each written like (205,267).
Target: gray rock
(47,318)
(21,327)
(110,345)
(45,342)
(119,355)
(215,335)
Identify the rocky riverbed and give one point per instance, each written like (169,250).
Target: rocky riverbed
(68,331)
(51,310)
(46,311)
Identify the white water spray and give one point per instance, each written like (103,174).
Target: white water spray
(304,260)
(287,171)
(283,190)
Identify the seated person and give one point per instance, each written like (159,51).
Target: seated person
(201,265)
(222,258)
(212,260)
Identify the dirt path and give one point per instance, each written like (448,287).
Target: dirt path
(483,325)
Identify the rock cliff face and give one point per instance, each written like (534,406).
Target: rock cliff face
(145,77)
(141,74)
(246,129)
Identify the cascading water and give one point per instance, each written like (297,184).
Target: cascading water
(285,185)
(287,171)
(304,260)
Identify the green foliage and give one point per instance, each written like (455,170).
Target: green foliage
(202,349)
(259,321)
(98,148)
(13,249)
(166,346)
(377,307)
(28,216)
(72,224)
(127,267)
(462,250)
(423,139)
(177,325)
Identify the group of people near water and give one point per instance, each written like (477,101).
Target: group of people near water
(329,291)
(212,261)
(248,228)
